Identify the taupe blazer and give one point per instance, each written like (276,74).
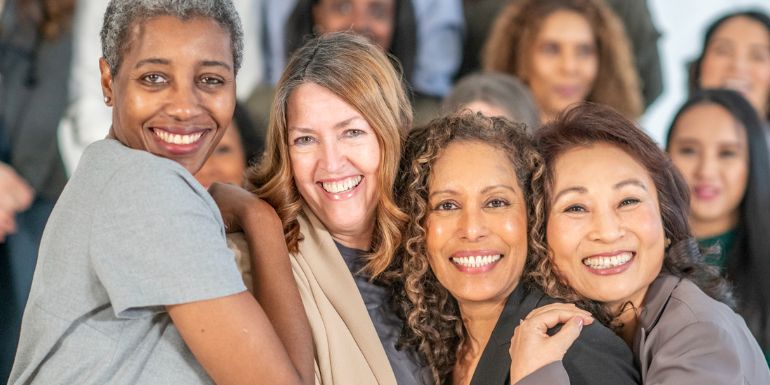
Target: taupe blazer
(347,348)
(686,337)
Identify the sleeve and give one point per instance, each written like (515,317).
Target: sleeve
(700,353)
(155,241)
(440,28)
(599,356)
(551,374)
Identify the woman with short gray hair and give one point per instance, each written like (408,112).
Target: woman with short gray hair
(135,283)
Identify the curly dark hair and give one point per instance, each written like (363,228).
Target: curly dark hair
(433,325)
(590,123)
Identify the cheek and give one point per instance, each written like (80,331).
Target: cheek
(712,70)
(302,168)
(558,236)
(436,234)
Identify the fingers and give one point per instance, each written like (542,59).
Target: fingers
(549,316)
(567,335)
(15,193)
(7,224)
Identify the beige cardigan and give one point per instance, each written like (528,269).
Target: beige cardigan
(347,348)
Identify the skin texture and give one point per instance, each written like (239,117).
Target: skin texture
(710,149)
(605,202)
(563,62)
(330,141)
(189,89)
(374,19)
(227,163)
(178,75)
(477,208)
(487,109)
(738,57)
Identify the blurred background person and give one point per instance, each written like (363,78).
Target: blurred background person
(494,94)
(717,143)
(559,48)
(35,57)
(635,15)
(239,148)
(736,55)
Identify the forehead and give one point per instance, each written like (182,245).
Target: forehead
(565,25)
(170,37)
(598,165)
(311,105)
(742,29)
(708,123)
(472,165)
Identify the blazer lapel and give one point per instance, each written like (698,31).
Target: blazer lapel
(333,276)
(495,362)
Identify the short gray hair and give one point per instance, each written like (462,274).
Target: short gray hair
(122,14)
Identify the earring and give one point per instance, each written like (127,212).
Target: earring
(107,100)
(667,243)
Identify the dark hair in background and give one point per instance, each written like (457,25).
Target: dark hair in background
(432,317)
(585,125)
(748,262)
(694,67)
(51,16)
(252,142)
(299,29)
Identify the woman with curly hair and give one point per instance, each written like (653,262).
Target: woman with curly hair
(464,181)
(614,215)
(566,51)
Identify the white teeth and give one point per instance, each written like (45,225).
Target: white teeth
(600,263)
(476,261)
(176,138)
(346,184)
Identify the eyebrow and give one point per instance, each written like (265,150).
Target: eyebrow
(483,191)
(583,190)
(204,63)
(337,125)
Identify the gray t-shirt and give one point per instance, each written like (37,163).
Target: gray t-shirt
(131,233)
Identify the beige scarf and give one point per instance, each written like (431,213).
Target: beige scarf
(347,348)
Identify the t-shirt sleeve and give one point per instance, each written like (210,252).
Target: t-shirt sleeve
(599,356)
(156,241)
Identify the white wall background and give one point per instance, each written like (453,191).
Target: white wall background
(682,24)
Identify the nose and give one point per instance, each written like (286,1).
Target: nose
(332,156)
(184,101)
(473,226)
(568,61)
(707,166)
(607,226)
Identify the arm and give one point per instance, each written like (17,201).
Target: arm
(274,286)
(15,196)
(699,353)
(536,355)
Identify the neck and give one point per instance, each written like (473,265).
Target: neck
(628,311)
(479,319)
(705,228)
(361,240)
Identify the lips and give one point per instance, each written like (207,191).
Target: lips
(705,192)
(609,263)
(179,141)
(475,261)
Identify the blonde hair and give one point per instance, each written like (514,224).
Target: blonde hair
(514,31)
(360,74)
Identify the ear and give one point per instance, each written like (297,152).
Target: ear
(106,80)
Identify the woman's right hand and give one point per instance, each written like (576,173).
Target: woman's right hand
(531,346)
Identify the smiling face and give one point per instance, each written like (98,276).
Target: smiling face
(477,226)
(738,57)
(174,94)
(563,62)
(374,19)
(335,159)
(605,230)
(710,149)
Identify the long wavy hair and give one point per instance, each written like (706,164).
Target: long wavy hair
(583,126)
(360,74)
(749,259)
(694,69)
(510,42)
(432,317)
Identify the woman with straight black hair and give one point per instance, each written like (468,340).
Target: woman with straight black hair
(716,140)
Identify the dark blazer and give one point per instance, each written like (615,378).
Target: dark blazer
(597,357)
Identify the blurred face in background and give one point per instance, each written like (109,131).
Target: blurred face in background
(738,57)
(563,62)
(709,147)
(374,19)
(227,163)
